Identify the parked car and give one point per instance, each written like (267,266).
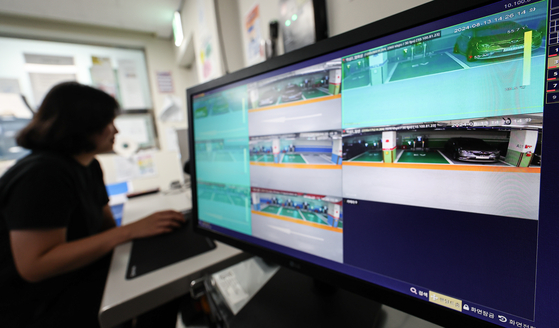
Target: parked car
(495,40)
(471,150)
(268,97)
(291,92)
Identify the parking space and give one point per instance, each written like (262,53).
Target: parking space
(374,156)
(293,158)
(313,217)
(425,157)
(437,63)
(314,93)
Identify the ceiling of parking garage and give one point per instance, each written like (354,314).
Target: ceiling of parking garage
(151,16)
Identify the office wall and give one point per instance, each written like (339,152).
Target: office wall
(343,15)
(159,54)
(233,42)
(199,24)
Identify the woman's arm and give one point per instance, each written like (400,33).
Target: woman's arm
(41,254)
(108,219)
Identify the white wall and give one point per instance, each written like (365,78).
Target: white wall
(343,15)
(199,21)
(159,54)
(346,15)
(232,39)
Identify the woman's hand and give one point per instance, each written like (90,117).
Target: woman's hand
(155,224)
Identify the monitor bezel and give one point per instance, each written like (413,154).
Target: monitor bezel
(423,14)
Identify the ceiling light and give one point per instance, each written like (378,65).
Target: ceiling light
(177,29)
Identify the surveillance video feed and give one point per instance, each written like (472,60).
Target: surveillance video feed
(416,162)
(308,222)
(307,99)
(309,162)
(441,155)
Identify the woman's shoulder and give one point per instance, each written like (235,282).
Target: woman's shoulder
(37,168)
(40,162)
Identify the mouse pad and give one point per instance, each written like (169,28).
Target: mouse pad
(153,253)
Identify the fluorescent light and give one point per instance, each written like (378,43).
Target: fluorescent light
(177,29)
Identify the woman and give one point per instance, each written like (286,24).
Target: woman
(56,227)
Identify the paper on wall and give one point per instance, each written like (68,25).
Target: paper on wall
(130,87)
(172,140)
(165,82)
(132,128)
(41,83)
(46,71)
(11,104)
(141,165)
(102,75)
(9,86)
(253,36)
(171,109)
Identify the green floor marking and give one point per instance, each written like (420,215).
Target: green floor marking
(431,157)
(204,195)
(289,212)
(239,201)
(356,80)
(223,198)
(425,66)
(220,109)
(311,217)
(369,156)
(315,93)
(205,156)
(292,158)
(267,158)
(271,209)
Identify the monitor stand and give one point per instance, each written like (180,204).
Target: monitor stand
(290,299)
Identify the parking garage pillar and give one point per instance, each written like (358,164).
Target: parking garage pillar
(337,151)
(334,81)
(333,214)
(256,201)
(378,68)
(276,150)
(389,146)
(522,144)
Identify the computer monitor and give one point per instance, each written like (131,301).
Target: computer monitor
(402,161)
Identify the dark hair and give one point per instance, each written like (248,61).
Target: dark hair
(69,116)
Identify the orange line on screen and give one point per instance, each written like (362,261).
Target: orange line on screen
(296,103)
(300,166)
(447,167)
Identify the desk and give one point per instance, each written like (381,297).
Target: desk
(124,299)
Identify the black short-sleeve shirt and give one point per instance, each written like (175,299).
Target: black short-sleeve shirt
(46,190)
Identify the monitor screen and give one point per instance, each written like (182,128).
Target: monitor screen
(409,162)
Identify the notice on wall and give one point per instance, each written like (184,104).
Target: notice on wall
(130,87)
(103,76)
(172,140)
(41,83)
(9,86)
(12,105)
(172,110)
(141,165)
(46,71)
(165,82)
(253,36)
(133,128)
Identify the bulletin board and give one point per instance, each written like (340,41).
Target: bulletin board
(35,65)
